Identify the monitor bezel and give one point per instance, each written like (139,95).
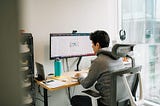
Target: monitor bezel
(67,34)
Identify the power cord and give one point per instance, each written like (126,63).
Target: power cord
(39,91)
(68,91)
(67,64)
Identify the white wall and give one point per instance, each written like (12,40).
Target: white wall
(41,17)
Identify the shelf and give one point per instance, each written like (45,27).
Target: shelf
(26,84)
(27,68)
(24,68)
(24,48)
(24,63)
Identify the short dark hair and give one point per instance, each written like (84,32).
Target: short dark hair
(100,37)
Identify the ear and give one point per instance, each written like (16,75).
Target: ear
(98,45)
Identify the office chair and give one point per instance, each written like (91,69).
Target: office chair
(124,82)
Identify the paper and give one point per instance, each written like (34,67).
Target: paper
(53,83)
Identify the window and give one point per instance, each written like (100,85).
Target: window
(141,21)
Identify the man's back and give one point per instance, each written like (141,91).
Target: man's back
(104,65)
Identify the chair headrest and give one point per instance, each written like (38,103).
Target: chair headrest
(121,50)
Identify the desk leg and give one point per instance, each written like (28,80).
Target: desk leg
(69,93)
(45,97)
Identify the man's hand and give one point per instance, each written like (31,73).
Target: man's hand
(77,75)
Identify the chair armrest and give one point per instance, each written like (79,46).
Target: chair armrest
(127,70)
(91,93)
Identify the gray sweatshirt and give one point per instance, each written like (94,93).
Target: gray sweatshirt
(99,74)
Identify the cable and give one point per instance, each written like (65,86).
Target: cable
(68,91)
(63,65)
(74,62)
(67,64)
(73,90)
(39,91)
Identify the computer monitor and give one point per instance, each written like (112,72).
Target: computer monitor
(64,45)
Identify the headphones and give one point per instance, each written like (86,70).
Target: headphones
(122,34)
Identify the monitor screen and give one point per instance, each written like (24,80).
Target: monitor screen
(64,45)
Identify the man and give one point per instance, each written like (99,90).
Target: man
(100,67)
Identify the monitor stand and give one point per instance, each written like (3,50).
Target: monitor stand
(78,63)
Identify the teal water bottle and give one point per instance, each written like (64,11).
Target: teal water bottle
(57,67)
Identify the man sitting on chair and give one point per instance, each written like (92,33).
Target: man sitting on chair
(100,67)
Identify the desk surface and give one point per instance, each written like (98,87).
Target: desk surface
(66,77)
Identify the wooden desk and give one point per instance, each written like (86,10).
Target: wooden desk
(69,82)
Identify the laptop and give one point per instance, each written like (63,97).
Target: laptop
(40,72)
